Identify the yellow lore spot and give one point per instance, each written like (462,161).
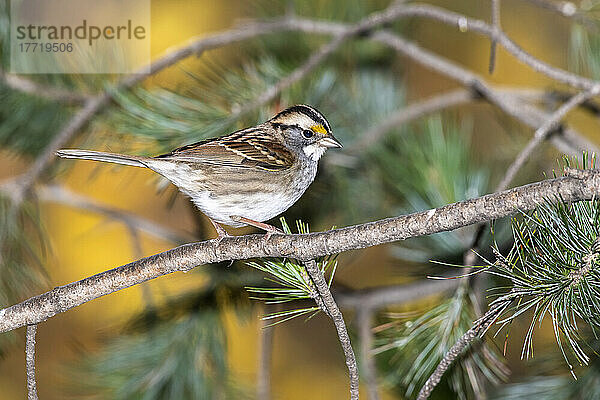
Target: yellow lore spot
(319,129)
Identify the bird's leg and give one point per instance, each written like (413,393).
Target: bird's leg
(221,232)
(270,229)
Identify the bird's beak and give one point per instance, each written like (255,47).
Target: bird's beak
(330,141)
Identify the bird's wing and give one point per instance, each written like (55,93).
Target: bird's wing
(248,148)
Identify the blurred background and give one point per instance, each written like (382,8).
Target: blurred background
(198,335)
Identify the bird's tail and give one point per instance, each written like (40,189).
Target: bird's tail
(135,161)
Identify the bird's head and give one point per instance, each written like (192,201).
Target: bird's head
(304,128)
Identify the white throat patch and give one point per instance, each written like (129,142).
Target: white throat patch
(314,151)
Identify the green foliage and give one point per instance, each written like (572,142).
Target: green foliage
(412,349)
(554,268)
(290,279)
(430,167)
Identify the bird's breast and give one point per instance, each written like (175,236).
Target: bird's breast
(221,192)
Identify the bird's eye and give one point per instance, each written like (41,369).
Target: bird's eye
(307,133)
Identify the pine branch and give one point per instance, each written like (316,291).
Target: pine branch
(61,195)
(464,24)
(414,347)
(331,308)
(584,186)
(551,264)
(478,330)
(540,135)
(364,26)
(478,26)
(553,269)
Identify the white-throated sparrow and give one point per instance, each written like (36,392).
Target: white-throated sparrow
(246,177)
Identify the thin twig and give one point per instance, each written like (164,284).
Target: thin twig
(313,61)
(364,319)
(464,24)
(477,331)
(338,320)
(409,113)
(28,86)
(496,25)
(61,195)
(383,296)
(566,140)
(314,293)
(78,121)
(478,26)
(542,133)
(558,96)
(30,362)
(301,247)
(528,115)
